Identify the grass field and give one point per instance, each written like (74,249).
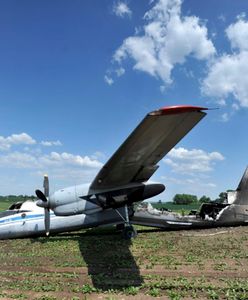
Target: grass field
(99,264)
(5,204)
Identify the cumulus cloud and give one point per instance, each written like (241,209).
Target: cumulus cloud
(51,143)
(61,159)
(193,161)
(16,139)
(167,39)
(108,80)
(120,72)
(29,162)
(19,159)
(237,33)
(35,161)
(226,79)
(121,9)
(225,117)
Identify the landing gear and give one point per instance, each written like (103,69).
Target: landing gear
(128,231)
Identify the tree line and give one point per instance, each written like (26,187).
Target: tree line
(191,199)
(17,198)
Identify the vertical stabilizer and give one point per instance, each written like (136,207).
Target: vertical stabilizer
(244,181)
(240,196)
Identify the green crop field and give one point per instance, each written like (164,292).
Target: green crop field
(99,264)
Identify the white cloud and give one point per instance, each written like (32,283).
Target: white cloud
(237,33)
(61,159)
(222,18)
(120,72)
(226,79)
(19,160)
(121,9)
(108,80)
(193,161)
(28,164)
(16,139)
(225,117)
(168,39)
(51,143)
(39,161)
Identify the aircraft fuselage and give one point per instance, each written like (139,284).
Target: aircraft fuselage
(69,211)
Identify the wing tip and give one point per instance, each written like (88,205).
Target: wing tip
(176,109)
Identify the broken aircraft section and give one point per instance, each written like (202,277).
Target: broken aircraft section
(232,213)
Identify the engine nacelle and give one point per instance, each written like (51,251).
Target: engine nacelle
(71,201)
(67,202)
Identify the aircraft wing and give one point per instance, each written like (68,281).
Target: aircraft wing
(136,159)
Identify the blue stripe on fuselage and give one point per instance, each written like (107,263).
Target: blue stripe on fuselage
(20,218)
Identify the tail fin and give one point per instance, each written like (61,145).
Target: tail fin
(240,196)
(243,185)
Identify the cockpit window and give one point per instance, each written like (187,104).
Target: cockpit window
(16,205)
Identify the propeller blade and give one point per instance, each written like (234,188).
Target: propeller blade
(44,202)
(46,185)
(47,220)
(40,195)
(46,209)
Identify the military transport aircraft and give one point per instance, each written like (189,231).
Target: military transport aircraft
(121,182)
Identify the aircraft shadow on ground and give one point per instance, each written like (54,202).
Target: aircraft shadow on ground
(108,258)
(110,261)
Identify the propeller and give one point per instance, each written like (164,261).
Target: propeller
(44,202)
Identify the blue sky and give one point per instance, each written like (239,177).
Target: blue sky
(76,78)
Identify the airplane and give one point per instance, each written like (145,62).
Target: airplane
(122,181)
(234,212)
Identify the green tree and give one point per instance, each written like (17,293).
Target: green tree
(204,199)
(184,199)
(222,197)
